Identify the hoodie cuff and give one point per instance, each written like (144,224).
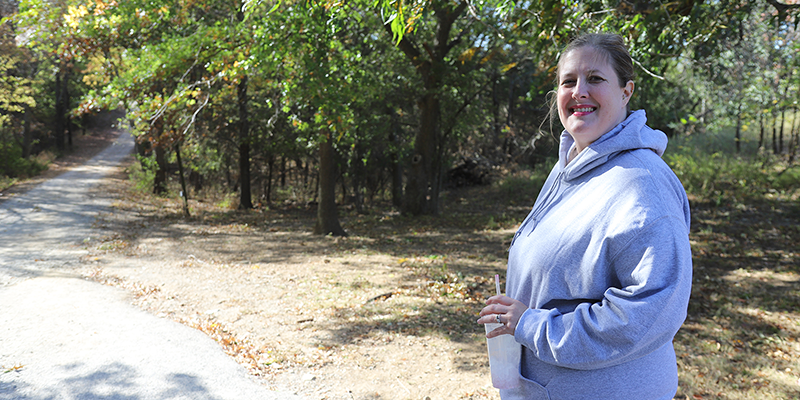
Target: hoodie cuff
(526,326)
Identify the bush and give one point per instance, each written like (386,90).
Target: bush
(13,165)
(143,174)
(720,177)
(522,187)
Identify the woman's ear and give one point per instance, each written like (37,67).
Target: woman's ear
(627,91)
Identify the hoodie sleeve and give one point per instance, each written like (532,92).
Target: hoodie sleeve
(630,321)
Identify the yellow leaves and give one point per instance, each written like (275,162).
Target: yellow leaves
(101,6)
(468,54)
(74,15)
(489,56)
(507,67)
(333,4)
(15,367)
(471,52)
(416,13)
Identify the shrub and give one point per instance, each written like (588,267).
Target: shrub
(13,165)
(143,174)
(720,177)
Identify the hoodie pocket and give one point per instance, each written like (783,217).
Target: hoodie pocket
(527,390)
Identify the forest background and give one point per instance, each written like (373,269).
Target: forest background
(385,111)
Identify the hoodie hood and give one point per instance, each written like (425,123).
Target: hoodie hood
(631,134)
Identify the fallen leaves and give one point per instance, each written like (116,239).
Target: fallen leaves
(739,339)
(15,367)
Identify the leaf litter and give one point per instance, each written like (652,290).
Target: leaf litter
(388,313)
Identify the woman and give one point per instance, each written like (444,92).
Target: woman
(599,273)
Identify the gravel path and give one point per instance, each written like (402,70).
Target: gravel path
(63,337)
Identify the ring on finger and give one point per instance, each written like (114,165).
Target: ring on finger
(497,318)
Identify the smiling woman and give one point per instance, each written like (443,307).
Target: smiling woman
(599,273)
(591,99)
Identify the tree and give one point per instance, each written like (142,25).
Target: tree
(16,102)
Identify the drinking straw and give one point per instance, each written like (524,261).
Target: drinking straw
(497,283)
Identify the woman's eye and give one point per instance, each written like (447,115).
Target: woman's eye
(568,82)
(595,78)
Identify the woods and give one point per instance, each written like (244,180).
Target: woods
(391,94)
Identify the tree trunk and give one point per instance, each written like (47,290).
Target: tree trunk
(775,135)
(761,132)
(160,181)
(396,167)
(425,172)
(344,189)
(422,188)
(270,173)
(184,192)
(58,125)
(283,171)
(27,136)
(788,81)
(245,199)
(793,137)
(359,178)
(499,120)
(327,218)
(780,134)
(65,107)
(228,177)
(738,138)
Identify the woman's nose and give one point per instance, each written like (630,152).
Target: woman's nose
(580,90)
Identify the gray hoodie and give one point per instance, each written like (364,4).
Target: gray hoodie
(604,264)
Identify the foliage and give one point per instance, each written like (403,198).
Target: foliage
(718,174)
(356,69)
(142,174)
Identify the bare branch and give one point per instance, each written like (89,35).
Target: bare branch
(648,72)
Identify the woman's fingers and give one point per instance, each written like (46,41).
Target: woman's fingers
(505,309)
(504,300)
(503,330)
(493,309)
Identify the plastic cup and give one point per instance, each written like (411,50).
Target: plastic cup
(504,354)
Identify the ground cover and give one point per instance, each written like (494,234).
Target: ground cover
(388,312)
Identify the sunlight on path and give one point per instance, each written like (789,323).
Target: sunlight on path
(43,228)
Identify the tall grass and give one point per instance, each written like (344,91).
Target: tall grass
(711,170)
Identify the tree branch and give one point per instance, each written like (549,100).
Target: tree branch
(782,7)
(648,72)
(467,101)
(407,47)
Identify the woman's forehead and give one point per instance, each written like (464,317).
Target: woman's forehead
(584,59)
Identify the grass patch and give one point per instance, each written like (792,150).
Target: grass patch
(6,182)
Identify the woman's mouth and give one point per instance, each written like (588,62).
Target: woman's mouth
(582,110)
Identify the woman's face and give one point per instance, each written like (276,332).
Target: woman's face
(590,99)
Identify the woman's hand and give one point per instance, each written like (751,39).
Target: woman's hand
(508,310)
